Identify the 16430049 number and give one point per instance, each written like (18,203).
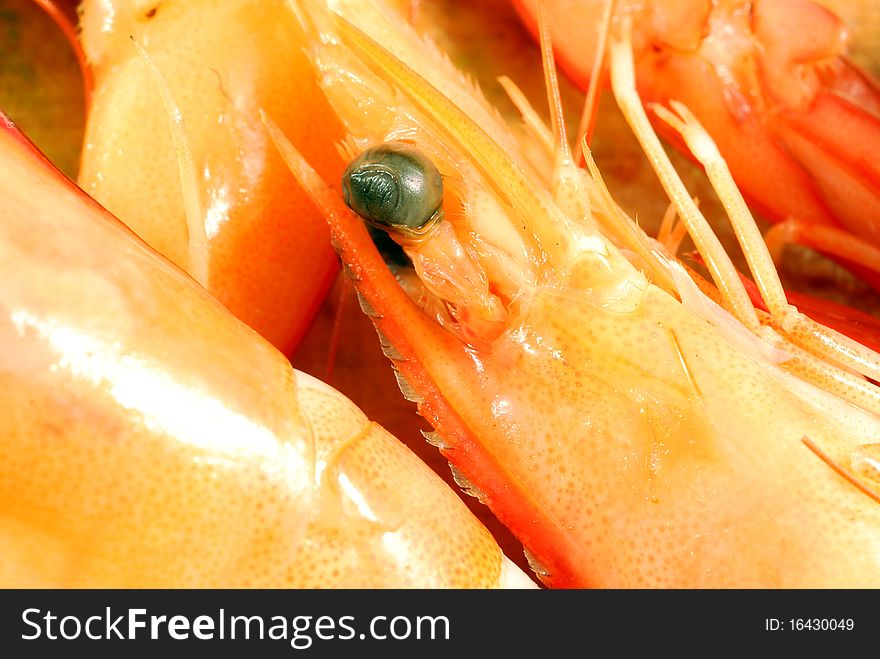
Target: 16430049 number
(821,624)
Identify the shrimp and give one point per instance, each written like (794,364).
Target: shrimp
(217,200)
(772,82)
(150,439)
(633,424)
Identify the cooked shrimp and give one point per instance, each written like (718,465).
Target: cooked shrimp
(632,426)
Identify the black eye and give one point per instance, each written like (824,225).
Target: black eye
(394,186)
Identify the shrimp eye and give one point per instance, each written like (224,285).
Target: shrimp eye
(394,187)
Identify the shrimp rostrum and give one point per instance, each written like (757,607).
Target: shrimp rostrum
(633,423)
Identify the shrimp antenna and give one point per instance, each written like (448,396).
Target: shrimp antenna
(591,103)
(810,335)
(530,117)
(840,470)
(192,203)
(736,299)
(557,119)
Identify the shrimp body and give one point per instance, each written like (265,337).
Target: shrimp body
(648,442)
(630,431)
(254,240)
(150,439)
